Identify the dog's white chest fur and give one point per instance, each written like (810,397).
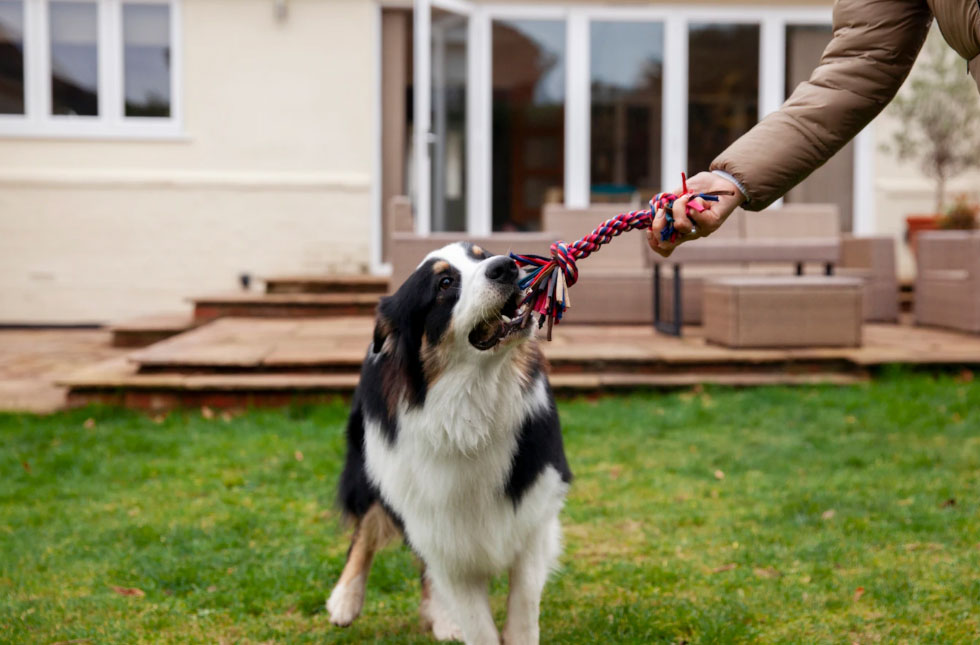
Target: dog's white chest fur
(446,473)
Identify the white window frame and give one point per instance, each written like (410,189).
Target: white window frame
(676,18)
(111,122)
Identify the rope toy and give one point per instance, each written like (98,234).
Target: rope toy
(547,279)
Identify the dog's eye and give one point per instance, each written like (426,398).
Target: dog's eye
(445,283)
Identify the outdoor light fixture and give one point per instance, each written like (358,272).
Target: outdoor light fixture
(281,10)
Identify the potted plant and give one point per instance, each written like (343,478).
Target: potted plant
(963,215)
(940,112)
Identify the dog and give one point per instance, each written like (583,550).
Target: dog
(454,442)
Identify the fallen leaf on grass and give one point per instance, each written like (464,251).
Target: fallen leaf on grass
(207,412)
(73,642)
(719,474)
(615,472)
(27,466)
(906,502)
(299,455)
(725,567)
(828,514)
(858,593)
(159,419)
(966,376)
(212,589)
(89,423)
(768,572)
(129,591)
(928,546)
(949,503)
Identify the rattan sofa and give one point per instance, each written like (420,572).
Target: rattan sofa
(947,287)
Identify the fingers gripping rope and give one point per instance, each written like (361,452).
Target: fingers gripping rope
(547,279)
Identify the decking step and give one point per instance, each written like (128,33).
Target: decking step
(327,284)
(118,382)
(337,346)
(147,330)
(284,305)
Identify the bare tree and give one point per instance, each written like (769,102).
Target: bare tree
(940,113)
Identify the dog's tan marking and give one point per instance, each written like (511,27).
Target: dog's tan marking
(371,533)
(435,357)
(440,267)
(526,358)
(478,250)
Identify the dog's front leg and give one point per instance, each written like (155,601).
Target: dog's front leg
(527,578)
(468,600)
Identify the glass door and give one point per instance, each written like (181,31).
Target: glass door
(442,114)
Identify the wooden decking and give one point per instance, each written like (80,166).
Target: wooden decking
(245,361)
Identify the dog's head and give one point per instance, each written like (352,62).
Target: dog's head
(460,298)
(460,304)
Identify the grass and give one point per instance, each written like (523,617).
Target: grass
(769,515)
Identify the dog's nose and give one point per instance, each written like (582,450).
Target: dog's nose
(503,270)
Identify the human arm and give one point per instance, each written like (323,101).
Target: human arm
(874,46)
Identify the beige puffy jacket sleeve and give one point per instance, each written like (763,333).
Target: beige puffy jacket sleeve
(874,46)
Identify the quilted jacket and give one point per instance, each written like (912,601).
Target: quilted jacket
(874,46)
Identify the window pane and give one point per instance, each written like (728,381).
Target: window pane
(449,52)
(11,57)
(723,89)
(626,81)
(528,120)
(74,58)
(834,181)
(146,59)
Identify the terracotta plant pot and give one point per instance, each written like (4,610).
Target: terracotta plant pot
(916,223)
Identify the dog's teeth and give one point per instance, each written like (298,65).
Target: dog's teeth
(506,318)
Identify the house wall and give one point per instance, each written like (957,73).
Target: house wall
(273,175)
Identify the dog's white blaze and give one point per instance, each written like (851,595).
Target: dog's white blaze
(478,296)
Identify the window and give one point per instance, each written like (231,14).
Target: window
(834,181)
(528,120)
(448,122)
(74,56)
(88,68)
(723,88)
(146,59)
(626,87)
(11,57)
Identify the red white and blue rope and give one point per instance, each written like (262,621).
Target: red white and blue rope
(547,288)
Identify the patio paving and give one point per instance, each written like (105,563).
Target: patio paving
(31,361)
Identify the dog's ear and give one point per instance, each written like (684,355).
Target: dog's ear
(382,329)
(399,327)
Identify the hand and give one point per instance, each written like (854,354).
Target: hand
(704,223)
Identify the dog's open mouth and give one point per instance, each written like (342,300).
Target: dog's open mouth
(511,318)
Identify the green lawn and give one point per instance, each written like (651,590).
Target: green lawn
(766,515)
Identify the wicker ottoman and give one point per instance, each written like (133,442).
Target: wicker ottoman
(777,311)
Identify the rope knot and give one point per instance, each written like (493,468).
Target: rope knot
(565,260)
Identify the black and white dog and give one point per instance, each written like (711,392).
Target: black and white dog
(454,441)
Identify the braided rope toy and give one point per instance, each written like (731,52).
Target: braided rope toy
(547,279)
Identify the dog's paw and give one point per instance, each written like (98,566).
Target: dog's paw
(435,617)
(345,602)
(446,630)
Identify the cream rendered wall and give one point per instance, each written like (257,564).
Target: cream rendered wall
(273,175)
